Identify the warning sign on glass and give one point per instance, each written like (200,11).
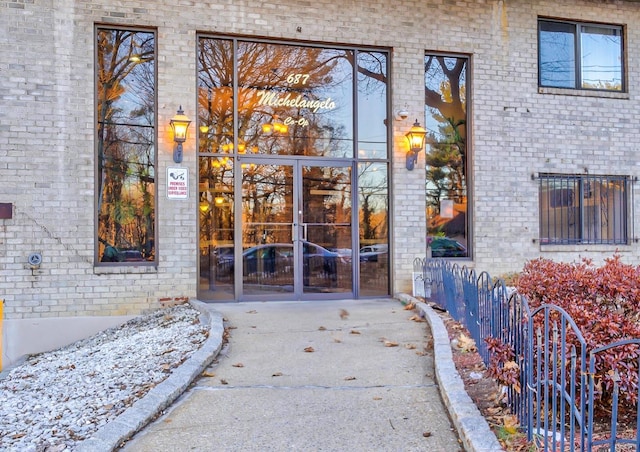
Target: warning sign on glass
(177,183)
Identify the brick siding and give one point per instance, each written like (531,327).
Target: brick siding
(47,164)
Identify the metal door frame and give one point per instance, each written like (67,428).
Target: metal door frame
(297,164)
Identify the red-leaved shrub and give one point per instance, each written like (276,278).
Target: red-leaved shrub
(604,303)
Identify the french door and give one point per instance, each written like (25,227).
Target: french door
(297,235)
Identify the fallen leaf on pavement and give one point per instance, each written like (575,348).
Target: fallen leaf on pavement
(377,398)
(349,378)
(354,332)
(409,346)
(206,373)
(322,329)
(426,434)
(223,381)
(344,314)
(409,306)
(390,344)
(238,365)
(309,350)
(416,318)
(253,311)
(277,374)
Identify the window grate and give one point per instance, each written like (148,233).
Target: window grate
(583,209)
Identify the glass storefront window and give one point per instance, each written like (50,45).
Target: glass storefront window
(215,96)
(372,105)
(295,100)
(446,155)
(216,214)
(296,121)
(373,201)
(125,146)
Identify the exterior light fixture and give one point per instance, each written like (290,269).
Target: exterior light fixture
(179,124)
(416,137)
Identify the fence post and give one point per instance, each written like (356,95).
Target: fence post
(419,279)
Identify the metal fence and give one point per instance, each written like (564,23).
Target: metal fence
(556,400)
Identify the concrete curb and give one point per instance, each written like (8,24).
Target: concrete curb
(142,412)
(472,428)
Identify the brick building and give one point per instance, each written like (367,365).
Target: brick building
(293,181)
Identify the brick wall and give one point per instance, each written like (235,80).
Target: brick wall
(47,149)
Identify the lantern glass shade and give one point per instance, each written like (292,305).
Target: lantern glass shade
(179,124)
(416,137)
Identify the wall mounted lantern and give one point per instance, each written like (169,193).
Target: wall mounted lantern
(179,124)
(416,137)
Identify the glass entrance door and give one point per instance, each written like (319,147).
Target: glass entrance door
(296,233)
(268,207)
(324,231)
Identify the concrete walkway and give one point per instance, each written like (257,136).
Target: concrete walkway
(353,375)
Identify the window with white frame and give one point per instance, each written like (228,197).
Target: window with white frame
(580,55)
(578,209)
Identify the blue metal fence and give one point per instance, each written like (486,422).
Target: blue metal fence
(556,398)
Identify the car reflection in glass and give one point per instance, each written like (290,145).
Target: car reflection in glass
(273,256)
(371,253)
(277,258)
(446,247)
(130,256)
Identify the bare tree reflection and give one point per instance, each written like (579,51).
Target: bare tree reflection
(266,99)
(446,174)
(126,143)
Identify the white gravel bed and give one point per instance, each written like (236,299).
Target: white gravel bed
(56,399)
